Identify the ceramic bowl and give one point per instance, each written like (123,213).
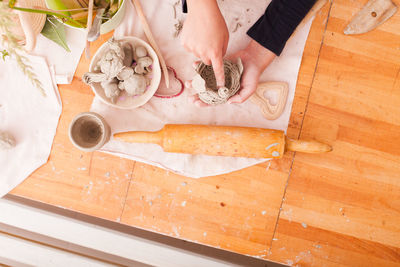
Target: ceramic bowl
(114,22)
(124,101)
(106,27)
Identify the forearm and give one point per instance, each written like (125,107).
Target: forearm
(281,18)
(196,4)
(206,9)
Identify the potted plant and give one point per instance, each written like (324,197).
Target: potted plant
(50,24)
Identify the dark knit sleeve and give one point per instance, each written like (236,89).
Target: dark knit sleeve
(279,21)
(184,6)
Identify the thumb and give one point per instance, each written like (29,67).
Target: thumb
(218,67)
(235,99)
(245,92)
(243,95)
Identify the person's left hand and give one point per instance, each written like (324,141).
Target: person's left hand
(255,59)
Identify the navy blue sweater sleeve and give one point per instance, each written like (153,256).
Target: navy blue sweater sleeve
(280,19)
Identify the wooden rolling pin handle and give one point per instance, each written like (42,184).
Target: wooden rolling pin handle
(140,137)
(306,146)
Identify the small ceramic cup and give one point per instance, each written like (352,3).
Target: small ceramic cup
(89,131)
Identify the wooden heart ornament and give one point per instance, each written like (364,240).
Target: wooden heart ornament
(271,112)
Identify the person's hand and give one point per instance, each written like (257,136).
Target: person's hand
(205,35)
(255,59)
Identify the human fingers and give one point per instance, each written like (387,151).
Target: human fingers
(248,85)
(196,100)
(243,95)
(218,67)
(193,98)
(201,104)
(195,64)
(235,99)
(188,84)
(205,59)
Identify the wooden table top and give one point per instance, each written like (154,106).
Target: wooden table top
(340,208)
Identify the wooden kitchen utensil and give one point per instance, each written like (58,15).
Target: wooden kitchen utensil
(373,14)
(88,26)
(152,41)
(223,141)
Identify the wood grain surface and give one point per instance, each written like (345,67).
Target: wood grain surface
(335,209)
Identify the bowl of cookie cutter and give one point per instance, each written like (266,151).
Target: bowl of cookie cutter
(124,73)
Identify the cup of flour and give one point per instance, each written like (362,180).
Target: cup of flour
(89,131)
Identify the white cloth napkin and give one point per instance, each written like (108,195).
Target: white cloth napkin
(63,62)
(157,112)
(30,117)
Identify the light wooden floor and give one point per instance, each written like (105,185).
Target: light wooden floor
(341,208)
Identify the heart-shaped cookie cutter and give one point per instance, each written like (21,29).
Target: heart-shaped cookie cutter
(271,112)
(182,86)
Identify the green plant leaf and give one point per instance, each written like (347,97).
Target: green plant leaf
(4,54)
(54,30)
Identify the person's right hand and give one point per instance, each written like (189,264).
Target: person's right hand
(206,35)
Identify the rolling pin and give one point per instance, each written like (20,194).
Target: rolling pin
(223,141)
